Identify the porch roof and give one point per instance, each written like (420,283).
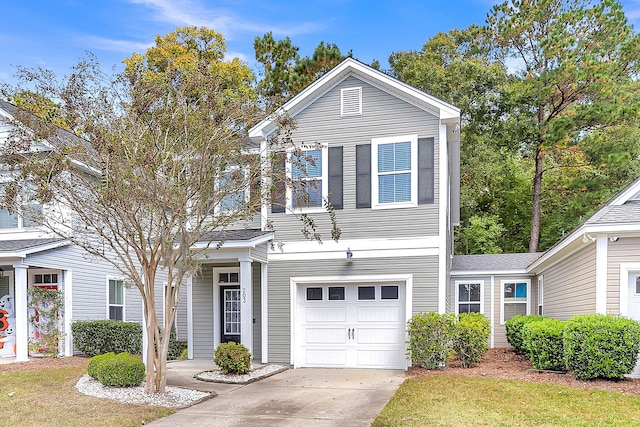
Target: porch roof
(28,246)
(493,263)
(240,237)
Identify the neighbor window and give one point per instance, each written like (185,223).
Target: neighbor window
(394,166)
(515,297)
(15,219)
(307,171)
(116,299)
(469,297)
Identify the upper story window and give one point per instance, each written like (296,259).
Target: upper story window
(308,172)
(18,219)
(395,171)
(233,183)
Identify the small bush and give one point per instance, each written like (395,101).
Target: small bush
(471,338)
(543,341)
(431,339)
(514,330)
(599,346)
(117,370)
(104,336)
(176,348)
(233,358)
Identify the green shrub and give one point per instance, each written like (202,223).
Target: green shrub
(514,330)
(176,348)
(117,370)
(543,341)
(233,358)
(599,346)
(104,336)
(431,339)
(471,338)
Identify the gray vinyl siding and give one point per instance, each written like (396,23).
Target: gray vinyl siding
(625,250)
(259,253)
(89,277)
(425,289)
(181,316)
(202,297)
(383,115)
(570,286)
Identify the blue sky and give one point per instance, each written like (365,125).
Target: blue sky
(55,34)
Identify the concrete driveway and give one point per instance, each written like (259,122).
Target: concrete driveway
(295,397)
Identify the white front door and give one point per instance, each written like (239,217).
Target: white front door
(351,326)
(634,306)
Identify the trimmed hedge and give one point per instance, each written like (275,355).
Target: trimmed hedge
(514,327)
(233,358)
(104,336)
(543,341)
(117,370)
(431,339)
(599,346)
(471,338)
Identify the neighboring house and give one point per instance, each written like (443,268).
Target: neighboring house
(31,257)
(387,157)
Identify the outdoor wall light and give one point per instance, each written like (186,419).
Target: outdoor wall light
(586,238)
(613,238)
(349,255)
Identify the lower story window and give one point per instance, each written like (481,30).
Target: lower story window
(515,299)
(116,299)
(469,297)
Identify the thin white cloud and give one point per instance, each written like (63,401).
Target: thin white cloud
(192,12)
(114,45)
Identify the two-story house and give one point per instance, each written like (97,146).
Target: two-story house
(386,156)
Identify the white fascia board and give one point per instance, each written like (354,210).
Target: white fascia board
(250,243)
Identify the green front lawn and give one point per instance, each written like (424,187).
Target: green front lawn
(448,400)
(48,397)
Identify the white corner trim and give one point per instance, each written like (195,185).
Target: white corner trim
(601,274)
(264,311)
(492,311)
(623,283)
(443,218)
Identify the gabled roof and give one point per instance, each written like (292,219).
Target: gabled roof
(620,214)
(492,263)
(247,237)
(352,67)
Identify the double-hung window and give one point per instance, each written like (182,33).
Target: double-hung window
(308,171)
(515,299)
(116,299)
(20,219)
(395,176)
(468,297)
(234,186)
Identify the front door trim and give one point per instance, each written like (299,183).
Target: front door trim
(217,301)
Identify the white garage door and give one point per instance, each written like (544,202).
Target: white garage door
(351,326)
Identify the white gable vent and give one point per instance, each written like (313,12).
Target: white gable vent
(351,101)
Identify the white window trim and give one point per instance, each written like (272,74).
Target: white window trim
(217,303)
(502,283)
(540,296)
(342,91)
(469,282)
(247,191)
(124,297)
(324,178)
(375,142)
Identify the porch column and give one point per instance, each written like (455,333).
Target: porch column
(21,313)
(246,304)
(68,313)
(264,299)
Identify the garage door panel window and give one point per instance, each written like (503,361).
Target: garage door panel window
(389,292)
(314,294)
(336,293)
(366,293)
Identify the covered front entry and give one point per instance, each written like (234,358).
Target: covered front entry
(351,325)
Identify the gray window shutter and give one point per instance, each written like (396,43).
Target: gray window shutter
(363,176)
(425,170)
(279,197)
(335,177)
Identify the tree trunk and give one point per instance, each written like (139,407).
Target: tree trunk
(537,196)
